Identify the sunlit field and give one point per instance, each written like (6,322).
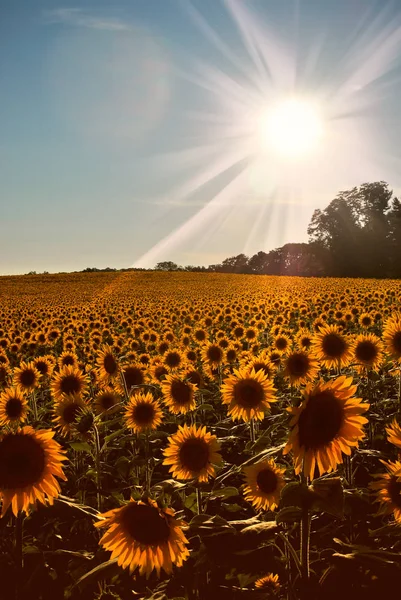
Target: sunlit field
(198,435)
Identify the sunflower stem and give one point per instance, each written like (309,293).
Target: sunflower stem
(199,499)
(305,536)
(252,430)
(19,526)
(97,468)
(34,406)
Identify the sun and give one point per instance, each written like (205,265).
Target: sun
(292,128)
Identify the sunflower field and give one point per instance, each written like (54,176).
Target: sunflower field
(191,436)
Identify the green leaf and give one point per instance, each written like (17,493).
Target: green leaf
(105,570)
(226,492)
(328,496)
(81,447)
(289,514)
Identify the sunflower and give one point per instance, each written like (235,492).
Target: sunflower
(192,452)
(263,484)
(268,583)
(281,343)
(108,367)
(158,371)
(262,363)
(68,359)
(300,366)
(69,380)
(327,423)
(368,352)
(67,410)
(45,365)
(13,407)
(331,347)
(29,462)
(107,402)
(26,377)
(388,489)
(4,370)
(212,355)
(303,339)
(132,375)
(142,535)
(392,337)
(248,394)
(143,413)
(172,359)
(178,394)
(394,434)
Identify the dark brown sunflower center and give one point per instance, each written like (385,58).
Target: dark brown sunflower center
(281,343)
(70,384)
(70,412)
(248,393)
(22,461)
(200,335)
(366,321)
(394,491)
(160,372)
(194,454)
(181,392)
(145,524)
(231,355)
(27,377)
(133,376)
(306,342)
(42,367)
(366,351)
(298,365)
(13,408)
(110,364)
(173,359)
(259,366)
(397,342)
(267,481)
(194,377)
(107,400)
(214,354)
(321,420)
(143,413)
(333,345)
(68,361)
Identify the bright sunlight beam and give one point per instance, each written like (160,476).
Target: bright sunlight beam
(291,129)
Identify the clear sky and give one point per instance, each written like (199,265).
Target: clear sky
(130,130)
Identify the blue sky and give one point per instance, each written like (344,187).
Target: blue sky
(125,135)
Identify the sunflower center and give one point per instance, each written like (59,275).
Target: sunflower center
(194,377)
(281,343)
(306,342)
(298,364)
(68,361)
(397,342)
(13,408)
(107,400)
(214,354)
(366,351)
(321,420)
(173,359)
(42,367)
(145,524)
(248,393)
(22,461)
(394,491)
(267,481)
(181,392)
(333,345)
(194,454)
(70,384)
(70,412)
(27,377)
(133,376)
(143,413)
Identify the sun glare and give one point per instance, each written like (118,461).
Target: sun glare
(291,129)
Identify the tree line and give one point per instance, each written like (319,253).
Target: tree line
(357,235)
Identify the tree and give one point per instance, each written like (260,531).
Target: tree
(167,265)
(353,231)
